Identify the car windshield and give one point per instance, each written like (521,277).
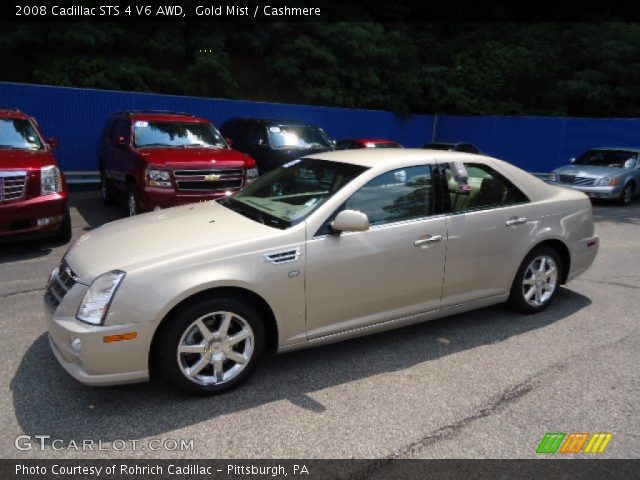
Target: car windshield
(385,145)
(606,158)
(177,134)
(298,136)
(290,193)
(18,133)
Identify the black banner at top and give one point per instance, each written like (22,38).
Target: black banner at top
(247,11)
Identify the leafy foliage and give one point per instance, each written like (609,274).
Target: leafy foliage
(466,68)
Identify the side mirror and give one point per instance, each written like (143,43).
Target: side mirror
(572,159)
(333,143)
(350,221)
(229,141)
(53,143)
(122,142)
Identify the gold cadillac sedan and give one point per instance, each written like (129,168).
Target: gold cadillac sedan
(325,248)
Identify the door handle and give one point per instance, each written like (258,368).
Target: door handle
(428,240)
(515,221)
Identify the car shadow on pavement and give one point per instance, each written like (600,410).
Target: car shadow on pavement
(92,210)
(607,211)
(25,250)
(47,401)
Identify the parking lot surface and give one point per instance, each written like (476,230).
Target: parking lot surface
(484,384)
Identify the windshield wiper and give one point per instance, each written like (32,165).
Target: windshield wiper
(147,145)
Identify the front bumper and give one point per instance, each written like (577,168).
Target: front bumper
(166,197)
(96,362)
(594,192)
(19,220)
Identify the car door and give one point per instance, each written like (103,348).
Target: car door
(489,224)
(391,271)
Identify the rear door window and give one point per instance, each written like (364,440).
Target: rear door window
(484,188)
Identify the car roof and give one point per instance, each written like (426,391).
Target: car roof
(269,121)
(368,140)
(161,116)
(13,113)
(382,160)
(375,157)
(621,149)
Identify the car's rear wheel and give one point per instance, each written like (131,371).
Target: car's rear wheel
(627,194)
(133,200)
(210,347)
(538,280)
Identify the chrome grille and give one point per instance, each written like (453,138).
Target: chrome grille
(208,180)
(12,186)
(574,180)
(62,280)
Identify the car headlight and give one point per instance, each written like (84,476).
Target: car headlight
(553,177)
(50,180)
(158,178)
(252,174)
(96,301)
(606,181)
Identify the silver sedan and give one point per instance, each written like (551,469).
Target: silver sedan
(610,173)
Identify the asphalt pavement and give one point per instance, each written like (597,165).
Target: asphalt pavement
(484,384)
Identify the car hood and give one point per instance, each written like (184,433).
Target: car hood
(16,159)
(196,157)
(161,236)
(589,171)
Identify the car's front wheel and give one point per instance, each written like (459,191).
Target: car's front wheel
(627,194)
(537,282)
(210,347)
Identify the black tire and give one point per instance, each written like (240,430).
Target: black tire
(165,351)
(627,194)
(64,233)
(105,189)
(133,200)
(517,299)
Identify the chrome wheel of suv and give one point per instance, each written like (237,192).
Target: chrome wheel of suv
(540,280)
(215,348)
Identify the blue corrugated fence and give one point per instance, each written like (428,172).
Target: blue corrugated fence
(538,144)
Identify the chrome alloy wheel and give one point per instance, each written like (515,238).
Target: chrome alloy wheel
(215,348)
(627,194)
(540,280)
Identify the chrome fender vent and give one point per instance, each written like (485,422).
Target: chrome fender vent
(283,256)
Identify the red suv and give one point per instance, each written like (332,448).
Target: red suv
(33,193)
(159,159)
